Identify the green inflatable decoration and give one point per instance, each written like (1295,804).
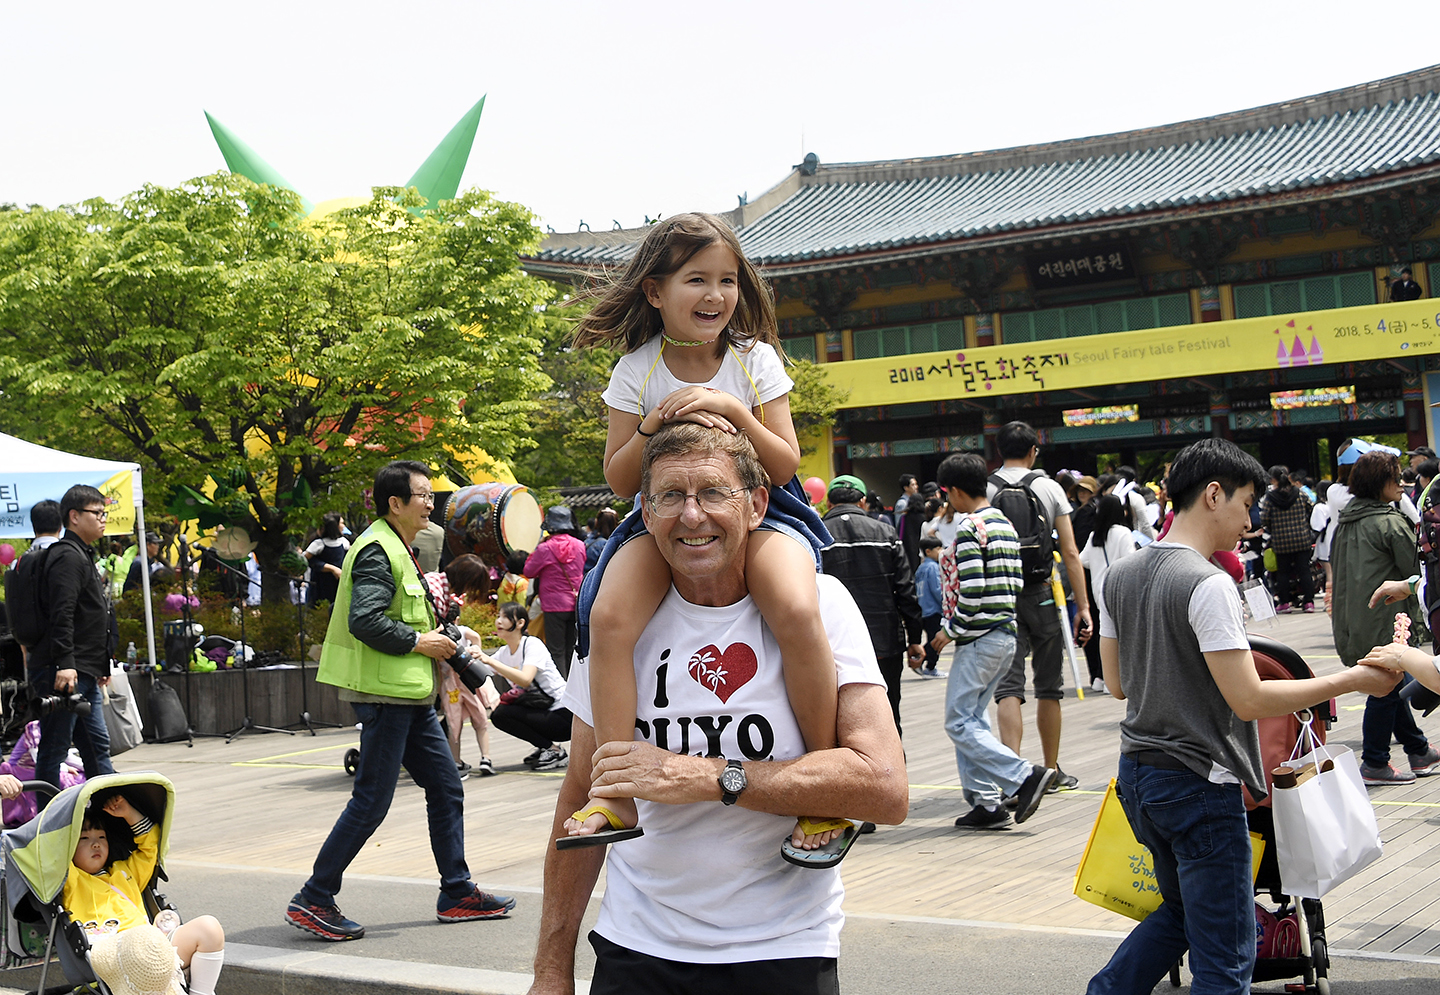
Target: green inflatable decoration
(437,179)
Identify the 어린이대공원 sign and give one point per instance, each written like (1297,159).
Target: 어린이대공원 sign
(1342,335)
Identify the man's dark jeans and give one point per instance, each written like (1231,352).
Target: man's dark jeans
(1385,716)
(57,730)
(1200,841)
(392,735)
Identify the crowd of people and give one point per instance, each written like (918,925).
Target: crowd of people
(726,661)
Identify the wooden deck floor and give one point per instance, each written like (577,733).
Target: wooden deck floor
(268,801)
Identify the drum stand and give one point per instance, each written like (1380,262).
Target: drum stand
(247,724)
(305,719)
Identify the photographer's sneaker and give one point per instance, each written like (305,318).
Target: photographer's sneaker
(1425,764)
(476,905)
(325,921)
(1385,775)
(533,757)
(552,758)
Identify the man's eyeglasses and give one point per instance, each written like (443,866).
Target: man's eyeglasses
(100,513)
(712,500)
(424,497)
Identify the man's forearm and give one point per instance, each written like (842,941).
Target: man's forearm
(570,877)
(864,778)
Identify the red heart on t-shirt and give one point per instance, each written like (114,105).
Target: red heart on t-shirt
(723,672)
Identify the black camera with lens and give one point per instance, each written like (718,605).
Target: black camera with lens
(472,672)
(52,703)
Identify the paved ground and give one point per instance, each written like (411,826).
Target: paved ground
(930,909)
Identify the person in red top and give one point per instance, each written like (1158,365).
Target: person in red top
(557,566)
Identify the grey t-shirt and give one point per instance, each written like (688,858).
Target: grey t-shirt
(1054,505)
(1168,606)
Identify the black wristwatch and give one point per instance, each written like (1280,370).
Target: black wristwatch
(732,782)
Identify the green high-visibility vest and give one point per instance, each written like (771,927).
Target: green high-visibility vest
(347,662)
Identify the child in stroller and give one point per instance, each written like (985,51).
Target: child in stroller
(103,893)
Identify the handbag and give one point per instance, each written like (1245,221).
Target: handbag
(1117,872)
(1325,829)
(533,697)
(122,714)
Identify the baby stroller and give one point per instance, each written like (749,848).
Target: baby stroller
(1292,938)
(37,858)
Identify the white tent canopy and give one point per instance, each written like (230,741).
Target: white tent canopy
(31,473)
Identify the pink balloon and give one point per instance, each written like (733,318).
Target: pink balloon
(7,554)
(815,487)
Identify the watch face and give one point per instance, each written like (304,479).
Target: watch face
(733,780)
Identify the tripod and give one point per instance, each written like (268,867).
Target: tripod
(247,724)
(305,719)
(187,620)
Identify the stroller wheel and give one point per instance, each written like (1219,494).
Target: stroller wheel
(352,760)
(1320,957)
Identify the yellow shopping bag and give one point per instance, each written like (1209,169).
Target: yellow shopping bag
(1117,871)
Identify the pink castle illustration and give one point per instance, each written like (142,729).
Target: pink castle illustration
(1297,354)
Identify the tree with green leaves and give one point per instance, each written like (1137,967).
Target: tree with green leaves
(210,330)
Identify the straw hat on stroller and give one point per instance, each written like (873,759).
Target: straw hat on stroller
(139,961)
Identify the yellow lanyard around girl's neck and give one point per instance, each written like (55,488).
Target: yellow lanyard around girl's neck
(640,399)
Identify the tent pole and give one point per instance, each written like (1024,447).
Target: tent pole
(145,581)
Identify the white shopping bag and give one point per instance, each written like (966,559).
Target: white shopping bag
(1325,830)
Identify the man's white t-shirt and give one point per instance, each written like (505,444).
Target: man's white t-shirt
(706,883)
(641,379)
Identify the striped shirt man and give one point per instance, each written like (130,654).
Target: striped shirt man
(980,576)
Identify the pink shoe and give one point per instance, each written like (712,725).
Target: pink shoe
(1283,609)
(1309,608)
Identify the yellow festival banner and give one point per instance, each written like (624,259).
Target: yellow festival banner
(119,493)
(1277,342)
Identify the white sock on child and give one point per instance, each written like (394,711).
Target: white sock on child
(205,971)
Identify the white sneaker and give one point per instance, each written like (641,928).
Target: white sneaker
(1098,686)
(553,758)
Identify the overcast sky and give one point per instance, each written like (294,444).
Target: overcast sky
(607,111)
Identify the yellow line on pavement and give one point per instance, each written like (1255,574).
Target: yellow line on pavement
(956,787)
(260,761)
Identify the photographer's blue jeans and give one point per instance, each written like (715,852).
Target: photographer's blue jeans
(1200,841)
(62,726)
(392,735)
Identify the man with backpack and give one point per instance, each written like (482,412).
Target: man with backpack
(73,654)
(1040,512)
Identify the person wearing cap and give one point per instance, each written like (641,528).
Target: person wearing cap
(152,554)
(1417,458)
(1405,288)
(869,559)
(557,566)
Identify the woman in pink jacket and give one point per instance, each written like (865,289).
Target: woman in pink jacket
(556,566)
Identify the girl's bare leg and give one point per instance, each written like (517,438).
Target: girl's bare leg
(780,573)
(200,944)
(636,580)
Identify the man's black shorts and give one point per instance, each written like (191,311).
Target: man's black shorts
(620,971)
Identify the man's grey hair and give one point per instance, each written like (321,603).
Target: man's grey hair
(687,438)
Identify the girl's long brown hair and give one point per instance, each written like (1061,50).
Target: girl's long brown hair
(622,316)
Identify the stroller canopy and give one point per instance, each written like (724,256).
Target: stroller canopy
(39,853)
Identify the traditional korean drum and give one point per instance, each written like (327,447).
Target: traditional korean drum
(492,521)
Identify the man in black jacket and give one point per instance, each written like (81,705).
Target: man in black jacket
(868,558)
(74,655)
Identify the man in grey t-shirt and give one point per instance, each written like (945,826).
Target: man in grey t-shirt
(1173,646)
(1036,615)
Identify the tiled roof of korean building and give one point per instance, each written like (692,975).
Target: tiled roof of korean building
(1359,138)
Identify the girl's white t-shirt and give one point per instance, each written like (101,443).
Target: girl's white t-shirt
(316,546)
(641,379)
(706,883)
(1119,543)
(533,653)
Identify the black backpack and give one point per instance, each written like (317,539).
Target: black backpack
(167,716)
(25,598)
(1018,503)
